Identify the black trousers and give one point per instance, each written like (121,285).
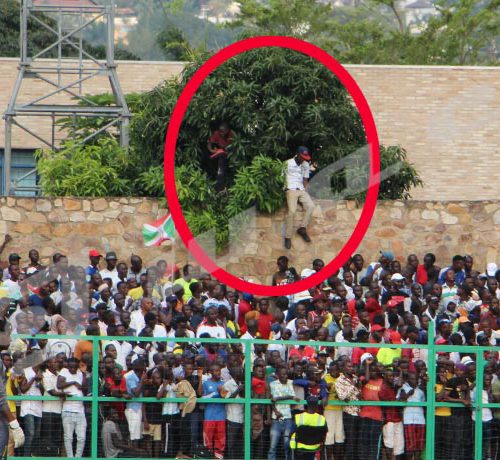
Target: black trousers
(351,430)
(234,440)
(51,434)
(303,455)
(370,436)
(170,434)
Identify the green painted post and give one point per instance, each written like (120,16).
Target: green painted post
(478,407)
(431,398)
(248,397)
(95,394)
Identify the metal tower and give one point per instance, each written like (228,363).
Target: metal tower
(67,73)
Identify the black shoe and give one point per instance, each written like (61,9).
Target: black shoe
(288,243)
(303,233)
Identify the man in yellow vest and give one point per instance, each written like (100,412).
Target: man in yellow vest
(310,434)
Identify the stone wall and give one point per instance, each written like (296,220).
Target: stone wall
(448,118)
(73,226)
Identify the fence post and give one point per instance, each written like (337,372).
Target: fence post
(95,394)
(478,407)
(431,394)
(248,397)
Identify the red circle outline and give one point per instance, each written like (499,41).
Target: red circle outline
(169,163)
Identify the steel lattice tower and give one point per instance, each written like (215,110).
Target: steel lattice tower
(64,75)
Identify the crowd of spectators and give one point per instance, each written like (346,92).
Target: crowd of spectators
(386,301)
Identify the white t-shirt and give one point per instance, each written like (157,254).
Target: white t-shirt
(137,321)
(31,407)
(295,174)
(216,332)
(413,415)
(50,383)
(72,406)
(234,412)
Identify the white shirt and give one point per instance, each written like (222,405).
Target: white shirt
(137,321)
(486,412)
(13,289)
(170,408)
(113,274)
(413,415)
(123,349)
(234,412)
(31,407)
(72,406)
(216,332)
(295,174)
(49,384)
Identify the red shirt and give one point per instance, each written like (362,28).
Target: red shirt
(306,352)
(373,351)
(351,308)
(221,141)
(370,392)
(373,308)
(422,276)
(265,321)
(392,414)
(122,386)
(258,386)
(243,308)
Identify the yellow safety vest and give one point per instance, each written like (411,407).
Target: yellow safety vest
(307,419)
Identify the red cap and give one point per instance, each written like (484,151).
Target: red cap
(94,253)
(395,337)
(304,153)
(393,303)
(377,328)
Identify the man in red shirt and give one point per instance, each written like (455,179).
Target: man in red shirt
(265,319)
(217,145)
(393,434)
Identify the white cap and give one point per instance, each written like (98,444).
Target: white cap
(491,269)
(366,356)
(307,272)
(397,277)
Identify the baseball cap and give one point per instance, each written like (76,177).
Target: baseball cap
(377,328)
(307,272)
(304,153)
(94,253)
(388,255)
(14,256)
(491,269)
(366,356)
(93,317)
(171,299)
(393,303)
(111,255)
(397,277)
(434,299)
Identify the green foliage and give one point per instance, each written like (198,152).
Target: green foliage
(90,170)
(260,184)
(175,45)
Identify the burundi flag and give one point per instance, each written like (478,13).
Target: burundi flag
(159,231)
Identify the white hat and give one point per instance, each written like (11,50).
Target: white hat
(491,269)
(366,356)
(397,277)
(307,272)
(466,360)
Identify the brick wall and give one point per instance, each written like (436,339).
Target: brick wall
(73,226)
(448,118)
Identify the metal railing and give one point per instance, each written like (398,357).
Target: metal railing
(247,400)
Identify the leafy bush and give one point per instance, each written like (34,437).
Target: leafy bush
(89,170)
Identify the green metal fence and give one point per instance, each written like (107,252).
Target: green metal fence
(430,404)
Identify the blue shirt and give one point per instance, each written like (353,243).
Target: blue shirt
(459,276)
(213,412)
(132,382)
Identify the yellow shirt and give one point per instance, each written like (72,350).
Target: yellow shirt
(386,356)
(138,292)
(9,390)
(332,394)
(185,285)
(441,411)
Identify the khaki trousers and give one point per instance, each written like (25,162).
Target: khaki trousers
(293,197)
